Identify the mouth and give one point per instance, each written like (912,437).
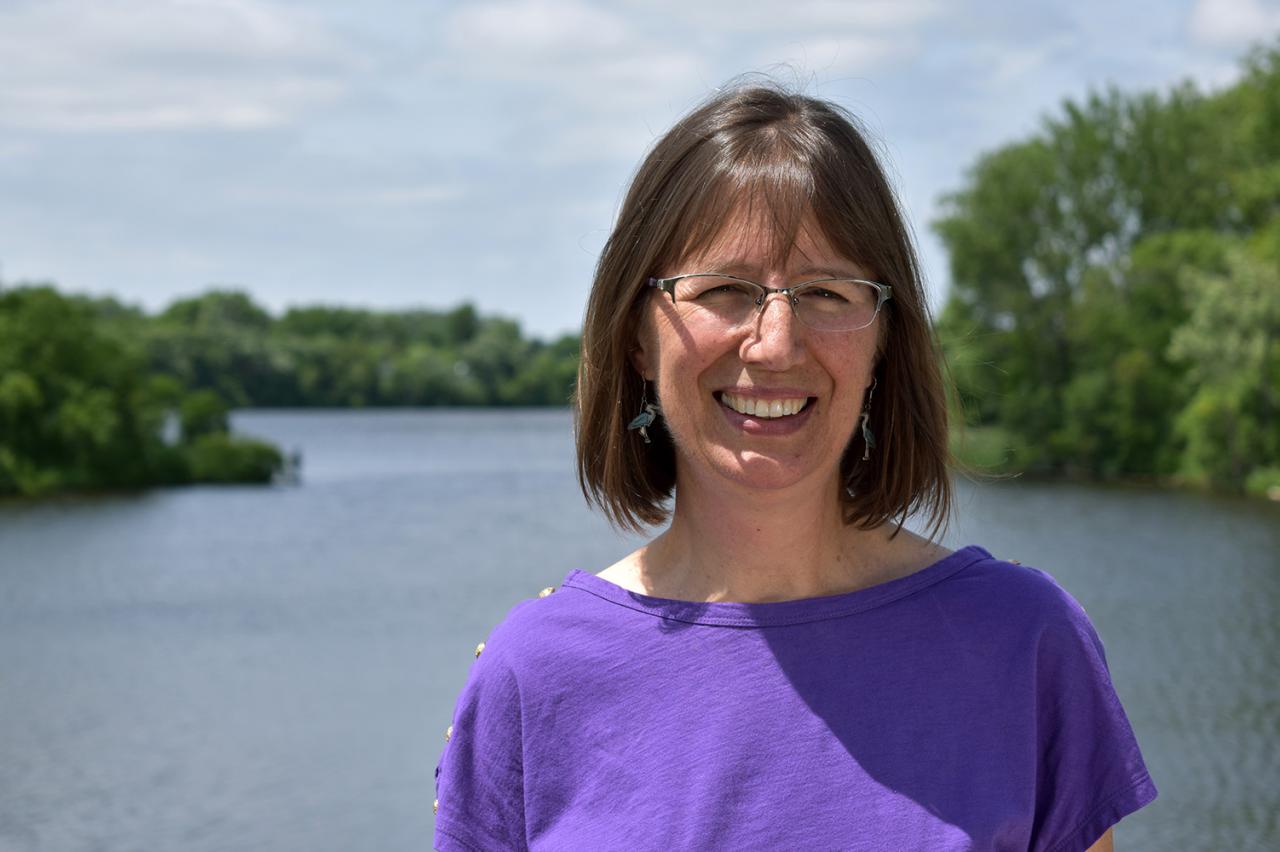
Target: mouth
(764,409)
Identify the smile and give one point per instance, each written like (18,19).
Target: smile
(764,409)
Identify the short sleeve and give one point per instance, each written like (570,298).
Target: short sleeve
(1091,772)
(479,781)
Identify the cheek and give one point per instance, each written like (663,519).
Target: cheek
(678,381)
(684,396)
(851,373)
(679,359)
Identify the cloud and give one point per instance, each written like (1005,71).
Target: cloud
(74,65)
(575,49)
(1008,64)
(601,79)
(828,17)
(836,56)
(579,76)
(331,194)
(535,27)
(423,194)
(14,149)
(1233,23)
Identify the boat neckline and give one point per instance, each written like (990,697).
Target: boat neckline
(778,613)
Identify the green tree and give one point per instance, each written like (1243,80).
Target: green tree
(1231,345)
(77,407)
(218,310)
(203,412)
(1067,250)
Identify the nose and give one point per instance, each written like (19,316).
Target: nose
(776,339)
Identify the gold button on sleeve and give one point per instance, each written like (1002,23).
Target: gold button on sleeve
(548,590)
(448,732)
(479,648)
(435,806)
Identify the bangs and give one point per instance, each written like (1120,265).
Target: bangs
(769,180)
(752,181)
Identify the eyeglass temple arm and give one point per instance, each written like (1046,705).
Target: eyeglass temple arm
(666,285)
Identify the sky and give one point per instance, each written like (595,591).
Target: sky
(402,155)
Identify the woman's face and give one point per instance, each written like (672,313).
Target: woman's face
(708,375)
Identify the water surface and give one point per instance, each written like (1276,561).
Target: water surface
(272,668)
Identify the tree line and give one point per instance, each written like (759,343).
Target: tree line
(98,394)
(1115,301)
(351,357)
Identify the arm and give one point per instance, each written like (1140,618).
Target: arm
(1091,763)
(1103,844)
(480,777)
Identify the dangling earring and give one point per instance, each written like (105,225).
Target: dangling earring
(868,439)
(648,413)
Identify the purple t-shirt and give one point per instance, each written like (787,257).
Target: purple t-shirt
(967,706)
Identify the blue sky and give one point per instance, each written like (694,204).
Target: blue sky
(418,154)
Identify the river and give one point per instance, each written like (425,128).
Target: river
(272,668)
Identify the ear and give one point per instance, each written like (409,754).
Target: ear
(639,357)
(642,354)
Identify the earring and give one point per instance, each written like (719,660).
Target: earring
(868,438)
(648,413)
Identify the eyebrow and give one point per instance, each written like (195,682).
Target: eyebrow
(748,269)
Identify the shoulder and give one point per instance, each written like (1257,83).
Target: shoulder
(1013,598)
(494,682)
(982,582)
(540,611)
(524,618)
(551,618)
(1015,581)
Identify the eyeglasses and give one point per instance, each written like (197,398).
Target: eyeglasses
(824,304)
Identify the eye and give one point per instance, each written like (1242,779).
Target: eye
(725,288)
(711,288)
(824,294)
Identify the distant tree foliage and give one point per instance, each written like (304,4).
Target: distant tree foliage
(352,357)
(80,411)
(1115,305)
(88,387)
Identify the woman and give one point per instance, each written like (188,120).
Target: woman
(784,667)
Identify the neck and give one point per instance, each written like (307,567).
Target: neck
(736,544)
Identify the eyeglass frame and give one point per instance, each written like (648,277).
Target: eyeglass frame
(884,291)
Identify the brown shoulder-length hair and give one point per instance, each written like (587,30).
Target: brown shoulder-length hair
(791,157)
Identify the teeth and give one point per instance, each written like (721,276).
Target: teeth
(763,408)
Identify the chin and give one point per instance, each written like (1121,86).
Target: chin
(761,472)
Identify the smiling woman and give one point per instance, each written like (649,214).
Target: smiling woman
(785,666)
(739,188)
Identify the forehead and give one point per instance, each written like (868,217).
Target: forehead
(752,239)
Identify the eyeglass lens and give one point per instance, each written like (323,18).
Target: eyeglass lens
(835,305)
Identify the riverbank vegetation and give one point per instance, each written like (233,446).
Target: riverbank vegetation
(81,411)
(96,394)
(1115,301)
(349,357)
